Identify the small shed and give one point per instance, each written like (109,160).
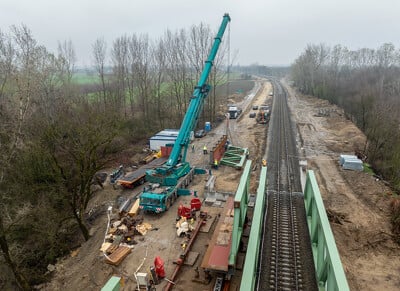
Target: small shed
(164,137)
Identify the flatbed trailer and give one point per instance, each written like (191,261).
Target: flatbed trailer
(138,177)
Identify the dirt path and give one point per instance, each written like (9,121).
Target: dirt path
(357,202)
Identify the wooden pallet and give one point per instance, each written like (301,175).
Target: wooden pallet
(118,256)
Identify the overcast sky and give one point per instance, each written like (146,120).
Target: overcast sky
(271,32)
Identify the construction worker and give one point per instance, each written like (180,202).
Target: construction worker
(205,150)
(216,164)
(192,148)
(264,163)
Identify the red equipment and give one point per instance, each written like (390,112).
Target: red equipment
(195,204)
(159,264)
(184,211)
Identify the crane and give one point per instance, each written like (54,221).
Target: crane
(169,175)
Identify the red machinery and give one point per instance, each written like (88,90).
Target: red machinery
(183,211)
(159,264)
(195,204)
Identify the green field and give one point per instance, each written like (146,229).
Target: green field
(84,78)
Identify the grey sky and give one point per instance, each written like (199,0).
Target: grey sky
(267,32)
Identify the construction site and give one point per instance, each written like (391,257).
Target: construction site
(254,203)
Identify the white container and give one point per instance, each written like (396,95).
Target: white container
(142,279)
(346,157)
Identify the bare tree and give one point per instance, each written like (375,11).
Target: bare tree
(78,142)
(66,53)
(140,59)
(159,68)
(99,54)
(13,117)
(175,45)
(200,42)
(119,55)
(7,54)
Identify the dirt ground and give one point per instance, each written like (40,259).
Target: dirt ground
(85,268)
(358,204)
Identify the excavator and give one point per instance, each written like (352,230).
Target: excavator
(263,114)
(169,181)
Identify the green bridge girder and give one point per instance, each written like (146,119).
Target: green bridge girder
(329,269)
(235,157)
(253,248)
(240,210)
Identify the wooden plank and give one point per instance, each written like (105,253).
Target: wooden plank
(118,255)
(105,246)
(134,209)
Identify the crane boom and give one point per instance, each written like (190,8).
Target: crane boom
(176,166)
(197,101)
(170,180)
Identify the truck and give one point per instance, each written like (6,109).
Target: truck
(138,177)
(233,112)
(171,179)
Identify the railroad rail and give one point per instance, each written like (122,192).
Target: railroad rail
(286,261)
(279,256)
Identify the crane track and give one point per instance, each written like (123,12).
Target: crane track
(286,260)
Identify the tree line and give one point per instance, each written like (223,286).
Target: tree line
(145,71)
(54,137)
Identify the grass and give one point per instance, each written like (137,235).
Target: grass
(368,169)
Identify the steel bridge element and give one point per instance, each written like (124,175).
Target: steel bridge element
(218,150)
(329,271)
(249,276)
(113,284)
(240,210)
(235,157)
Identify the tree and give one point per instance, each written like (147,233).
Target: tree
(159,68)
(14,109)
(79,140)
(66,53)
(140,58)
(99,54)
(175,45)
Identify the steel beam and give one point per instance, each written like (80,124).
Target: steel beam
(329,269)
(249,275)
(240,210)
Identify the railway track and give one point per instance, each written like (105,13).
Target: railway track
(286,259)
